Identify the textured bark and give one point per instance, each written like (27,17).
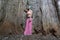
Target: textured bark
(58,2)
(46,15)
(49,16)
(2,10)
(11,13)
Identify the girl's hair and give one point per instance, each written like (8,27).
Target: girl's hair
(26,10)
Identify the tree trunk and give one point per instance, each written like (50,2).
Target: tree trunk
(49,16)
(58,2)
(46,15)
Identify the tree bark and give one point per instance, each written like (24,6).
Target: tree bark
(49,16)
(46,15)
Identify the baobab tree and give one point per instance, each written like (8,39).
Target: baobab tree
(46,15)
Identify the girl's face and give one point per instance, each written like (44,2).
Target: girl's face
(29,13)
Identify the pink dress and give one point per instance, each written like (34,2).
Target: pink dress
(28,28)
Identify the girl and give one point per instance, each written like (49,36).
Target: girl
(28,27)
